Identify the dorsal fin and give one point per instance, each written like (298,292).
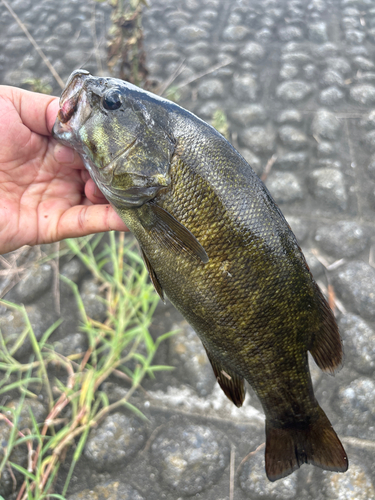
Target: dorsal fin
(153,277)
(231,383)
(326,347)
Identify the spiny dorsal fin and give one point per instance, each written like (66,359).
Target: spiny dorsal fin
(168,231)
(326,347)
(231,383)
(153,276)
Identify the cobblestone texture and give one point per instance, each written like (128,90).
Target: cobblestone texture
(296,79)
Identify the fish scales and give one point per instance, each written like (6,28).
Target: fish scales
(216,243)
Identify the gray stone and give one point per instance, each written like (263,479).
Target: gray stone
(355,37)
(253,52)
(209,89)
(110,490)
(339,64)
(17,46)
(190,457)
(254,482)
(371,167)
(264,35)
(355,484)
(75,343)
(359,343)
(177,19)
(355,284)
(187,352)
(368,121)
(245,88)
(350,22)
(316,267)
(293,90)
(252,160)
(74,269)
(93,302)
(363,94)
(166,56)
(297,58)
(12,325)
(285,187)
(324,51)
(331,96)
(115,441)
(260,140)
(36,281)
(342,239)
(318,32)
(369,141)
(325,148)
(310,71)
(289,116)
(207,109)
(299,227)
(19,453)
(288,33)
(331,77)
(328,186)
(74,58)
(298,160)
(191,33)
(251,114)
(356,403)
(288,71)
(199,62)
(326,125)
(292,137)
(17,77)
(363,63)
(235,33)
(329,163)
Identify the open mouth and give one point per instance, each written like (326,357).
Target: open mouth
(71,98)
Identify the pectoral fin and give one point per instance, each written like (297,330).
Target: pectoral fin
(231,383)
(168,231)
(153,276)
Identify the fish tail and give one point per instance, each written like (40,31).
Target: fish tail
(287,448)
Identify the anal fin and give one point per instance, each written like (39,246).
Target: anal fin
(231,383)
(153,277)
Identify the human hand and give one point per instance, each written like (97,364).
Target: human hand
(46,194)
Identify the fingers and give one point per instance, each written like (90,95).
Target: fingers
(37,111)
(83,220)
(93,193)
(63,154)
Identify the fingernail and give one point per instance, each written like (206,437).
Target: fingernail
(63,154)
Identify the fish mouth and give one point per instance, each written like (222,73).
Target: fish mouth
(72,99)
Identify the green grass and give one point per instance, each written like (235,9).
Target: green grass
(121,346)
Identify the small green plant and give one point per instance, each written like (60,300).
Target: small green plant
(120,346)
(38,85)
(220,122)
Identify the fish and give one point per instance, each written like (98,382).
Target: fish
(217,245)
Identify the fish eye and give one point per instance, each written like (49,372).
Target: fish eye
(112,100)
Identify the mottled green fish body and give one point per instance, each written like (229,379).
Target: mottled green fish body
(217,245)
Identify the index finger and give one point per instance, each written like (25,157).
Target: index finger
(37,111)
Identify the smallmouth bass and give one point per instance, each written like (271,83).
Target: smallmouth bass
(216,244)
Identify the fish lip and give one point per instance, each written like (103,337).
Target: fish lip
(69,102)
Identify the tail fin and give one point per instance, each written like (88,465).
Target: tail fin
(287,448)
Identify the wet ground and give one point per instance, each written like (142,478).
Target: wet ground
(296,80)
